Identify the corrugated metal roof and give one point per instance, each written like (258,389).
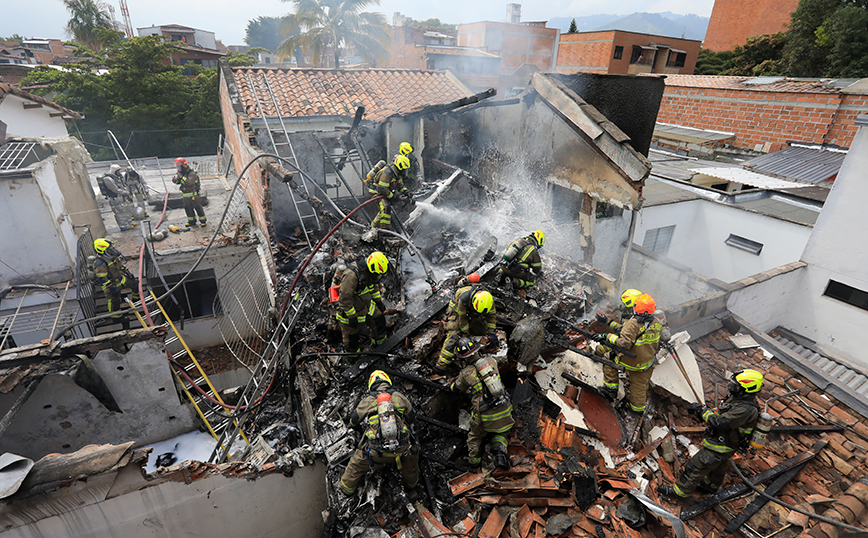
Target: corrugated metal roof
(842,375)
(690,134)
(812,165)
(746,177)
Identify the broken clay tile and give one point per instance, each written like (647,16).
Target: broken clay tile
(466,482)
(852,504)
(597,513)
(820,400)
(488,499)
(668,475)
(539,531)
(562,502)
(466,526)
(839,450)
(611,494)
(861,429)
(818,499)
(780,372)
(623,530)
(842,466)
(494,523)
(524,519)
(778,405)
(773,379)
(796,384)
(618,484)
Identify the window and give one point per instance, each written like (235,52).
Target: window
(658,239)
(197,297)
(606,211)
(843,292)
(619,52)
(676,59)
(643,55)
(746,245)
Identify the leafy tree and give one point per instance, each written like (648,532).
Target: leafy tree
(712,63)
(327,25)
(846,33)
(85,16)
(242,59)
(264,32)
(574,28)
(761,55)
(141,93)
(13,37)
(429,23)
(803,55)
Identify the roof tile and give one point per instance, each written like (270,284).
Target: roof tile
(738,83)
(315,92)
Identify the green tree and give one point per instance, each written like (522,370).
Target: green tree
(13,37)
(429,23)
(761,55)
(85,17)
(264,32)
(803,55)
(846,33)
(712,63)
(243,59)
(327,25)
(574,28)
(133,89)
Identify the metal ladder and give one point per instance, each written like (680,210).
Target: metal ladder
(255,91)
(261,379)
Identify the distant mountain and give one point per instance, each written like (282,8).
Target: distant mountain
(662,24)
(585,24)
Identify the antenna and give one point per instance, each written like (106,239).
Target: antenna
(125,13)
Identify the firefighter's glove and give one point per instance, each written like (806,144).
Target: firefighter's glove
(493,340)
(353,321)
(439,369)
(695,409)
(602,319)
(599,338)
(381,305)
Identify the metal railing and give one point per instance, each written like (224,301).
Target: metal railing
(83,283)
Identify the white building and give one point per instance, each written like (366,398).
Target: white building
(29,116)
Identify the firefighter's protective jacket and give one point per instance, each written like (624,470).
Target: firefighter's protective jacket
(528,255)
(389,181)
(641,336)
(110,271)
(495,418)
(461,308)
(733,421)
(357,282)
(366,415)
(188,180)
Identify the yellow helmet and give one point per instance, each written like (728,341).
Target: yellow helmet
(377,262)
(540,237)
(402,162)
(377,377)
(405,148)
(101,245)
(482,301)
(629,297)
(749,380)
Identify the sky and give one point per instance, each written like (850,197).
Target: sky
(228,18)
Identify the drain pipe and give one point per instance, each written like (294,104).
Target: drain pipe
(634,213)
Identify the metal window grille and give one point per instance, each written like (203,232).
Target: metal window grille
(741,243)
(658,239)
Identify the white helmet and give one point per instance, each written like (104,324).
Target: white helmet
(114,168)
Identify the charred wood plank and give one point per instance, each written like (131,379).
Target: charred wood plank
(440,424)
(416,379)
(811,428)
(760,501)
(737,489)
(446,463)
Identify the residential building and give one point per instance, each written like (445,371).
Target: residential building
(516,44)
(24,115)
(37,50)
(195,46)
(734,21)
(620,52)
(766,113)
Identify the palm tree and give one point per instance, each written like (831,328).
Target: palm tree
(328,25)
(85,16)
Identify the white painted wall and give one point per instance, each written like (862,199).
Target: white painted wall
(702,226)
(205,39)
(30,122)
(838,250)
(767,304)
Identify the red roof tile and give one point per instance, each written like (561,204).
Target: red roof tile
(329,92)
(738,83)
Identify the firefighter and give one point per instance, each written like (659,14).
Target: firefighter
(360,301)
(730,428)
(113,187)
(389,182)
(188,179)
(641,335)
(113,276)
(471,312)
(384,414)
(491,409)
(138,193)
(412,174)
(521,262)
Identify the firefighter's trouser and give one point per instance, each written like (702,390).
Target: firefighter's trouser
(369,314)
(707,468)
(478,327)
(193,207)
(114,297)
(522,278)
(365,459)
(498,428)
(123,212)
(638,389)
(384,217)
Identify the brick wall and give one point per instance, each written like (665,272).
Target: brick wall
(517,44)
(588,51)
(733,21)
(765,118)
(404,54)
(595,52)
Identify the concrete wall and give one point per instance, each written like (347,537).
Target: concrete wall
(219,506)
(836,250)
(62,417)
(30,122)
(764,300)
(734,21)
(761,118)
(702,226)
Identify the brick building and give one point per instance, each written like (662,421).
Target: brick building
(516,44)
(766,113)
(733,21)
(194,46)
(619,52)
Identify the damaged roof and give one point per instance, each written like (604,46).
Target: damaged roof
(6,89)
(331,92)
